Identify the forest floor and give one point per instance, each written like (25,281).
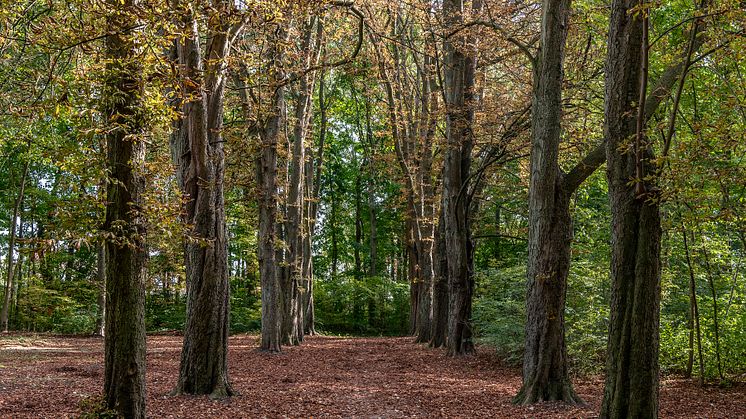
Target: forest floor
(48,376)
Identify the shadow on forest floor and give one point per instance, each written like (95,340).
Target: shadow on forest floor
(47,376)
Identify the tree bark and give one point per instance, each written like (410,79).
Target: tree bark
(694,313)
(545,374)
(197,148)
(439,325)
(459,69)
(126,253)
(631,388)
(425,205)
(296,234)
(267,185)
(11,248)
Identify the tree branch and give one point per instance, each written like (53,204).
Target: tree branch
(344,61)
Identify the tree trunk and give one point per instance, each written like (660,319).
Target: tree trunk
(545,375)
(358,225)
(694,320)
(126,253)
(197,148)
(101,298)
(631,388)
(413,270)
(711,282)
(313,189)
(426,208)
(294,310)
(439,325)
(11,248)
(16,291)
(459,85)
(267,183)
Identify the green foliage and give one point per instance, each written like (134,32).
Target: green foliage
(164,313)
(368,306)
(499,312)
(245,306)
(65,307)
(94,407)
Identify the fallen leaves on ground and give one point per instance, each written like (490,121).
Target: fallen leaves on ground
(48,376)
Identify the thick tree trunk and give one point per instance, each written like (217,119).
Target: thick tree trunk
(293,321)
(271,315)
(631,388)
(459,85)
(126,253)
(545,375)
(425,205)
(313,189)
(11,249)
(267,185)
(197,148)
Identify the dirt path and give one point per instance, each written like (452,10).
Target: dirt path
(325,377)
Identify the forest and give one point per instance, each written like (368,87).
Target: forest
(373,208)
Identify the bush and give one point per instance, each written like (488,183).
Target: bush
(367,306)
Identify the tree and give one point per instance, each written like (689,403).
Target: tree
(267,186)
(126,254)
(631,388)
(545,374)
(296,282)
(550,225)
(197,149)
(459,69)
(11,249)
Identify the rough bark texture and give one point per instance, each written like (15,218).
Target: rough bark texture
(126,254)
(197,148)
(425,204)
(313,189)
(549,242)
(545,375)
(267,185)
(459,83)
(295,288)
(631,388)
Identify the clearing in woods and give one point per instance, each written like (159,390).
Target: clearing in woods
(48,376)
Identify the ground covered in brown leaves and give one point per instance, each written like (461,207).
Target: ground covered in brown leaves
(44,376)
